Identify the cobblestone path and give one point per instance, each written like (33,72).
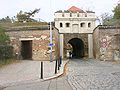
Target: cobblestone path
(93,75)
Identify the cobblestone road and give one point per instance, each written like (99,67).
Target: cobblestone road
(94,75)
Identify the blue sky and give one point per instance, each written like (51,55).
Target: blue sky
(48,7)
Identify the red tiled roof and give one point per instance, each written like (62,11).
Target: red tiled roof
(75,9)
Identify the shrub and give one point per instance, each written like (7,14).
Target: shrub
(6,52)
(4,39)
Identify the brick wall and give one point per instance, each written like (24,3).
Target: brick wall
(40,41)
(107,42)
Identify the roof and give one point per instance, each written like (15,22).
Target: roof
(90,12)
(75,9)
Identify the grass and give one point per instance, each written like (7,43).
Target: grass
(18,24)
(7,62)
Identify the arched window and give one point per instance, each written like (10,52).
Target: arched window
(82,25)
(78,15)
(61,25)
(62,14)
(85,14)
(70,14)
(89,24)
(67,24)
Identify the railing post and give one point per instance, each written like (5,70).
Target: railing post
(56,66)
(60,61)
(41,70)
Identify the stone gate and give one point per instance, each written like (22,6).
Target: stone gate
(75,30)
(80,50)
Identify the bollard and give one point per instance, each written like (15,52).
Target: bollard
(58,64)
(60,61)
(56,67)
(41,70)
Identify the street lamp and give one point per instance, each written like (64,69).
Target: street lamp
(51,42)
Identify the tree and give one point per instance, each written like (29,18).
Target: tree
(117,12)
(21,17)
(6,20)
(4,39)
(116,17)
(112,19)
(26,16)
(106,18)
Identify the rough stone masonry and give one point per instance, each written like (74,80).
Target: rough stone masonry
(40,39)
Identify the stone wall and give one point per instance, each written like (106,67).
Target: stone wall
(83,37)
(107,42)
(40,42)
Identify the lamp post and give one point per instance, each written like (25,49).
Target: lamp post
(51,43)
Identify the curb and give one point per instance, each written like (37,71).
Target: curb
(58,74)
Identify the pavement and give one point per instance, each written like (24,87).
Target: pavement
(93,74)
(27,71)
(53,84)
(82,74)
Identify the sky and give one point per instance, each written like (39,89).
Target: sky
(48,7)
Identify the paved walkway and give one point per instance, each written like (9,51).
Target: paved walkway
(28,71)
(82,75)
(94,75)
(54,84)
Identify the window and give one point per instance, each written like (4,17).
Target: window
(67,24)
(62,14)
(82,25)
(89,24)
(78,15)
(61,25)
(85,14)
(70,14)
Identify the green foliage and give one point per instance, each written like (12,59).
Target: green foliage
(6,20)
(6,52)
(112,20)
(116,18)
(6,62)
(106,18)
(26,16)
(4,39)
(117,12)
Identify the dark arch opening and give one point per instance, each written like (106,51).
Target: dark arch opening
(77,48)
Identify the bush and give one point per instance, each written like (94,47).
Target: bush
(4,39)
(6,52)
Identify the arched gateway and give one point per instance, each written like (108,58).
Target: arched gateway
(77,50)
(76,28)
(78,43)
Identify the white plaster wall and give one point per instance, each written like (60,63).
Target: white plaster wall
(74,15)
(90,45)
(91,18)
(65,29)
